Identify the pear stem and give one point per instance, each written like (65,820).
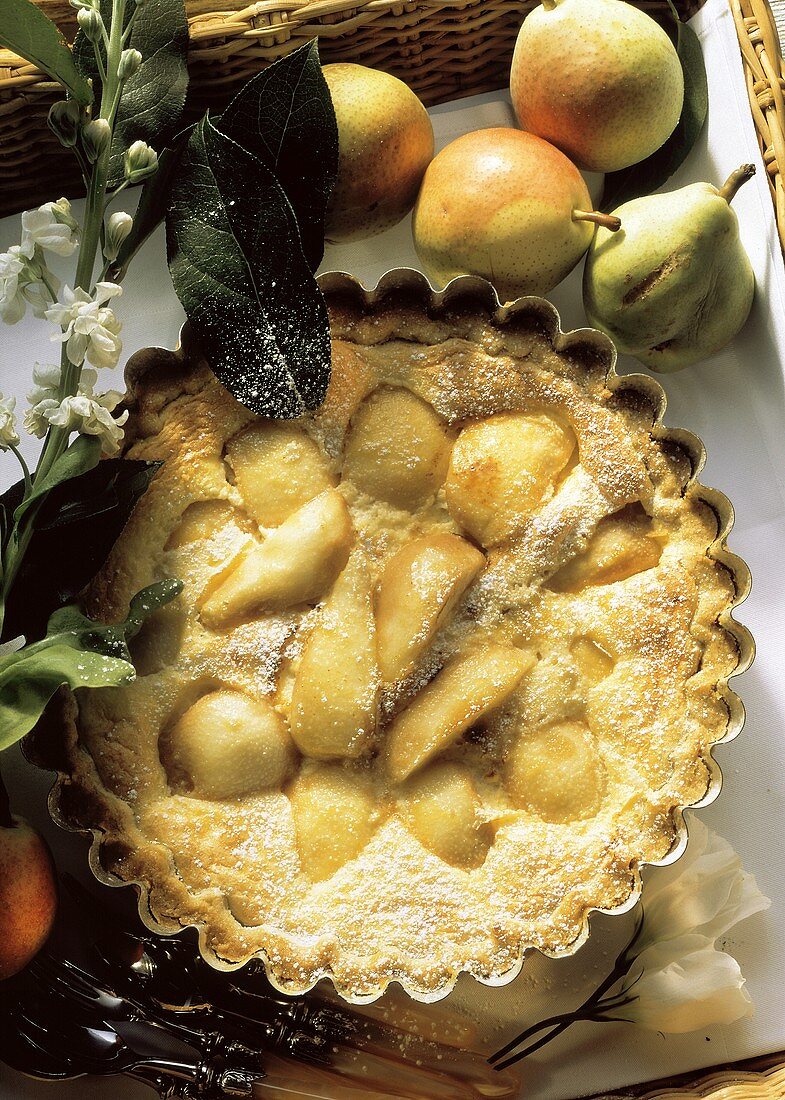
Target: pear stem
(549,5)
(607,221)
(735,180)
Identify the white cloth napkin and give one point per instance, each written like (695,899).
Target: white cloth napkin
(736,403)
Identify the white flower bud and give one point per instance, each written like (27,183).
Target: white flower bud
(118,226)
(16,278)
(706,892)
(9,436)
(139,161)
(95,137)
(63,121)
(130,63)
(61,212)
(699,989)
(90,23)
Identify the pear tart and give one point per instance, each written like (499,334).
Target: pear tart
(450,656)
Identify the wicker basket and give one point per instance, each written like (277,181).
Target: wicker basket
(444,49)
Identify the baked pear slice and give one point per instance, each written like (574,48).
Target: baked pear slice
(296,564)
(230,746)
(336,685)
(466,688)
(397,449)
(335,815)
(277,468)
(444,812)
(502,469)
(418,591)
(623,544)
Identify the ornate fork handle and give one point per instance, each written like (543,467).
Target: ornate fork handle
(208,1081)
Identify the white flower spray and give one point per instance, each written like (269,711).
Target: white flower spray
(63,399)
(85,412)
(90,329)
(673,976)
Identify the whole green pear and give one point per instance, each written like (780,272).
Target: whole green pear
(674,285)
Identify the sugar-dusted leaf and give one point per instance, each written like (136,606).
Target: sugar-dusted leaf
(642,179)
(75,529)
(238,268)
(153,99)
(76,652)
(284,116)
(25,30)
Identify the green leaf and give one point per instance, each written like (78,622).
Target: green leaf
(642,179)
(284,116)
(153,99)
(238,268)
(75,528)
(151,210)
(76,652)
(82,455)
(26,31)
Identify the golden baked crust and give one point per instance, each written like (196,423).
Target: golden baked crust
(519,626)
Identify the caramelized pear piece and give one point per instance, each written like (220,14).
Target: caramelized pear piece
(621,546)
(397,449)
(229,745)
(334,818)
(199,522)
(295,564)
(334,697)
(501,469)
(277,468)
(465,689)
(419,588)
(443,812)
(592,660)
(556,772)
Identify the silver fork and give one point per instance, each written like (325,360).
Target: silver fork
(59,1021)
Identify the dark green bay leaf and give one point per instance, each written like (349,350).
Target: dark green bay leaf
(642,179)
(153,99)
(75,528)
(238,268)
(76,652)
(26,31)
(284,117)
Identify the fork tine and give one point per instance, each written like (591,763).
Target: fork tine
(26,1056)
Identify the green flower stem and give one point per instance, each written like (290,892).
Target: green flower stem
(25,469)
(57,438)
(586,1011)
(50,287)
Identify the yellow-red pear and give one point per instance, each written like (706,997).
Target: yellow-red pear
(505,205)
(598,78)
(385,141)
(28,895)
